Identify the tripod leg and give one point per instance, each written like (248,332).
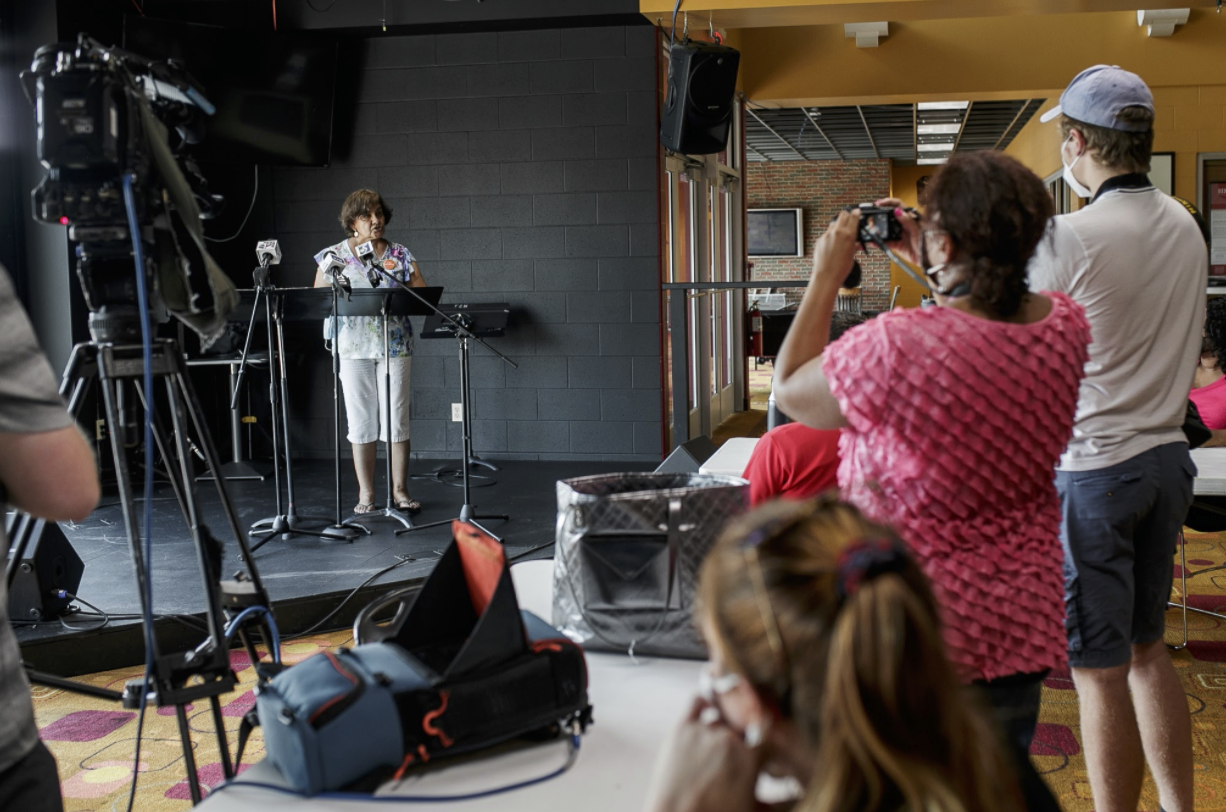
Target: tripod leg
(189,757)
(123,478)
(195,413)
(223,745)
(159,435)
(209,559)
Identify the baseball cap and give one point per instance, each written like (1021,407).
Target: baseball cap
(1098,94)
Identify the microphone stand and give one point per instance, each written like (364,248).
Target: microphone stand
(346,529)
(260,277)
(289,523)
(463,334)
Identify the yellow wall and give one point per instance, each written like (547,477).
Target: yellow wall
(1187,120)
(902,186)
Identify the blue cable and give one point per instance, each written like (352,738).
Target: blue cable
(142,299)
(414,799)
(275,642)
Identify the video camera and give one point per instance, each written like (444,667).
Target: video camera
(102,115)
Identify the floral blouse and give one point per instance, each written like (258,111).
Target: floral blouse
(362,336)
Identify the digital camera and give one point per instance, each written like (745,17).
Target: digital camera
(877,223)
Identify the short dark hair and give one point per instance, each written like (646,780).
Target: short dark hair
(995,211)
(1215,328)
(363,201)
(1117,149)
(842,321)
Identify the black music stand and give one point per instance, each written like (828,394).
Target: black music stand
(461,322)
(487,321)
(386,302)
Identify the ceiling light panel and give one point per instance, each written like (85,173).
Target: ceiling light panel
(946,105)
(938,129)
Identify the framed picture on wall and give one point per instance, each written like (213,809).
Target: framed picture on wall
(1162,171)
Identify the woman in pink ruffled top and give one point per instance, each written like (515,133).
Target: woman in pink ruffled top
(954,418)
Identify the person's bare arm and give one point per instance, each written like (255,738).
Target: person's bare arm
(801,389)
(416,280)
(50,474)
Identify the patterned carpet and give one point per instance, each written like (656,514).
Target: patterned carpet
(93,740)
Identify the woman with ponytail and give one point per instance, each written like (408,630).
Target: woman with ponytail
(828,667)
(954,418)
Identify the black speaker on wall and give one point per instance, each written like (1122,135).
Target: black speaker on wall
(50,565)
(698,103)
(688,457)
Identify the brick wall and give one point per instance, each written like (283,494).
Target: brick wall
(821,189)
(523,168)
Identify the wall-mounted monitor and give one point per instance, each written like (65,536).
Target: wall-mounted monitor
(273,92)
(776,232)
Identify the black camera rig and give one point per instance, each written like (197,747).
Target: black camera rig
(104,114)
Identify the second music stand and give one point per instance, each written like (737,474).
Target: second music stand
(479,320)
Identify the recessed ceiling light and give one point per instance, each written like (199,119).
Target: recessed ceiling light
(928,161)
(938,129)
(936,147)
(947,105)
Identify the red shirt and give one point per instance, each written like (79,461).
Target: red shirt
(1211,403)
(793,461)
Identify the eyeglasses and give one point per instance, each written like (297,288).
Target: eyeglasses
(365,218)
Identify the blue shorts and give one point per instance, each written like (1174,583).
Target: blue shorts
(1119,529)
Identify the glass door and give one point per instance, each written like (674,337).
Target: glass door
(704,244)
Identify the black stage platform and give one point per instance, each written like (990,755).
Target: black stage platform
(306,577)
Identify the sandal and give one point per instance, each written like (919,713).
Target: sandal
(363,507)
(410,506)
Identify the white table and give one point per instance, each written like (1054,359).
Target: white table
(731,457)
(634,708)
(1210,471)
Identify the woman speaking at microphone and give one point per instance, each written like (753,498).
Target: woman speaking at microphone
(360,347)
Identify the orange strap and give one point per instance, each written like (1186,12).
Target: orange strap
(427,722)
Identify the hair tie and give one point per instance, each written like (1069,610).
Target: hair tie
(864,560)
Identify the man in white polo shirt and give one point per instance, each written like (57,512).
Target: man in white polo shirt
(1135,259)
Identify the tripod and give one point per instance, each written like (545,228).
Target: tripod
(204,672)
(288,523)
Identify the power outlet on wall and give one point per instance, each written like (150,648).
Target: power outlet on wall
(457,413)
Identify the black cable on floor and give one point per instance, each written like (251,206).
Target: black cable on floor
(403,560)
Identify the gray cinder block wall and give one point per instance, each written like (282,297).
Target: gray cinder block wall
(521,167)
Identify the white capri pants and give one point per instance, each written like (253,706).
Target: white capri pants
(363,384)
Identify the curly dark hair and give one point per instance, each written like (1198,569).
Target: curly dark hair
(363,201)
(1215,328)
(995,211)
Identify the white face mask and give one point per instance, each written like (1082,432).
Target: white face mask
(1078,188)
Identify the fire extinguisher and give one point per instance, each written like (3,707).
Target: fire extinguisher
(754,346)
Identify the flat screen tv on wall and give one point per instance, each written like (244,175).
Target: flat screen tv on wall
(776,232)
(274,93)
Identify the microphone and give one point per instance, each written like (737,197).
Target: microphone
(268,252)
(366,255)
(333,266)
